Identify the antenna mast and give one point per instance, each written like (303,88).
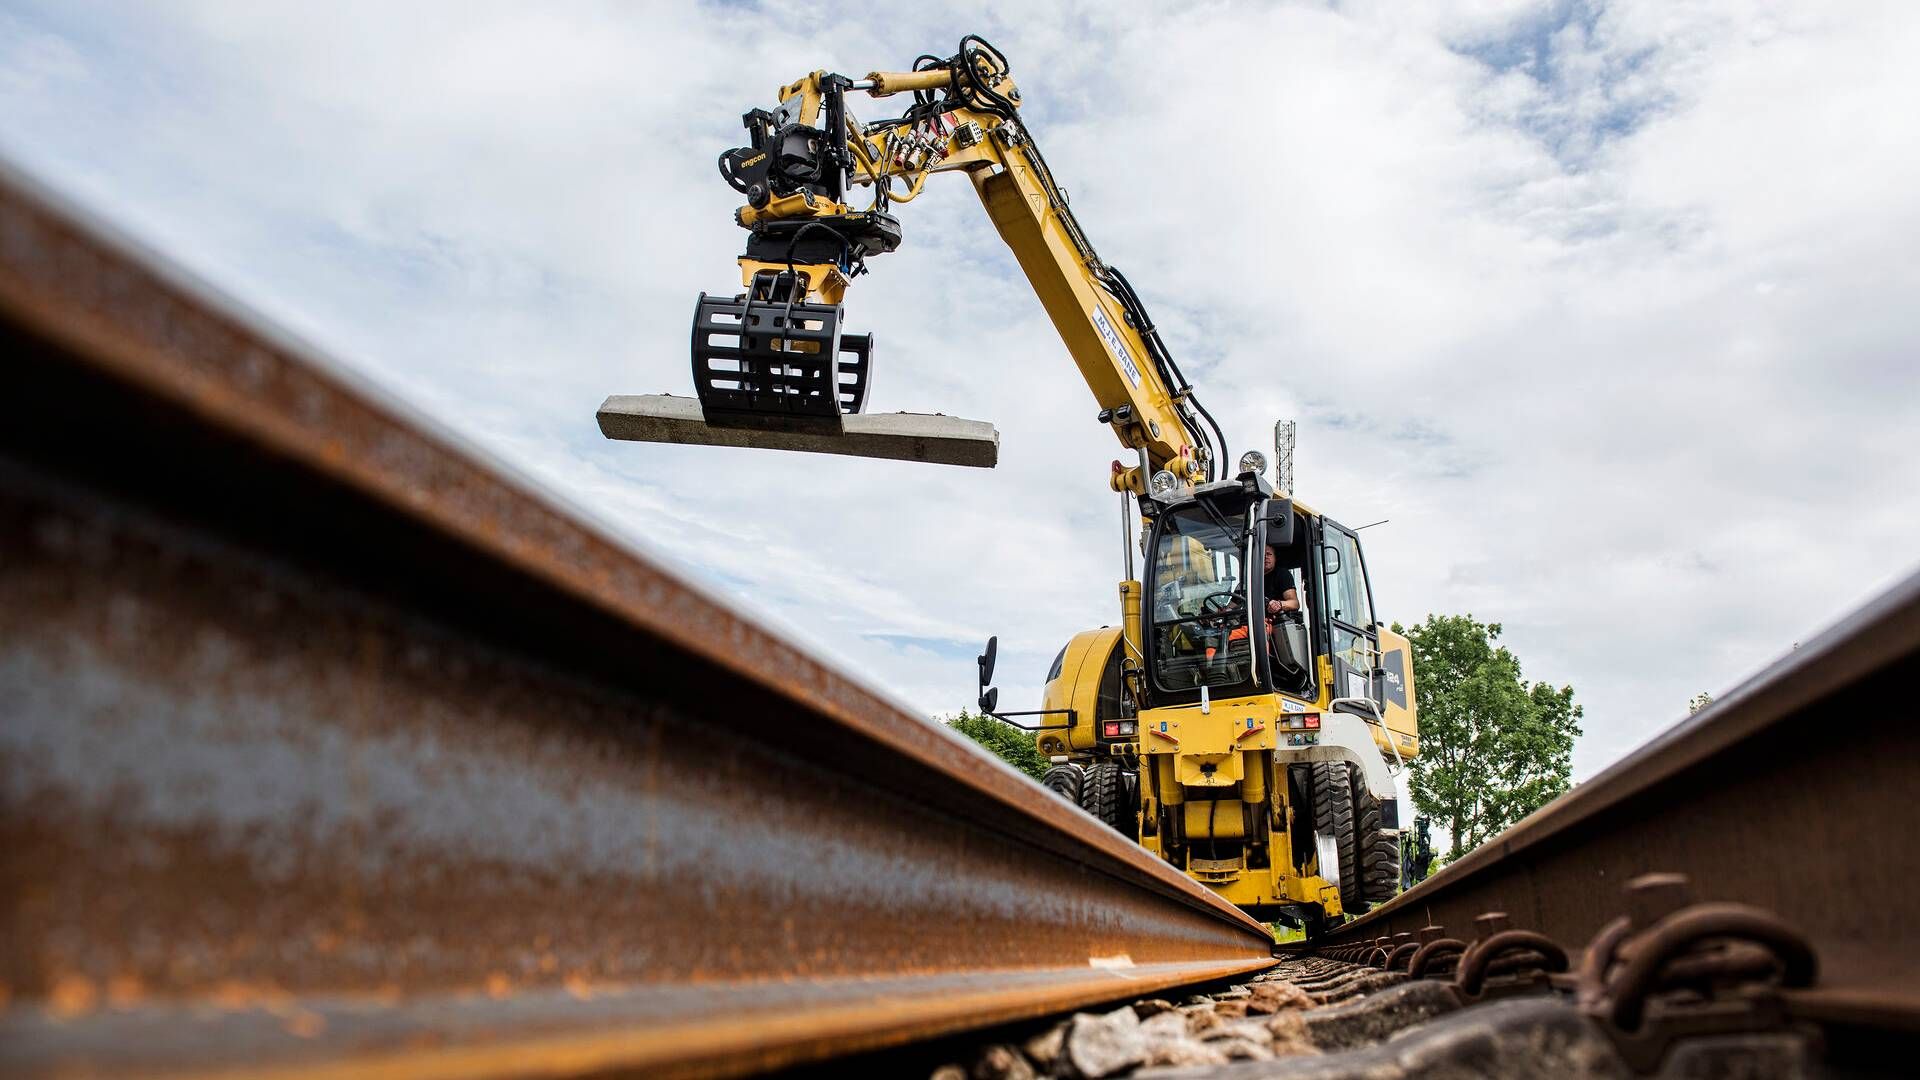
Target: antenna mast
(1283,456)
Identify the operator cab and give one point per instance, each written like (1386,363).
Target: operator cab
(1206,620)
(1200,592)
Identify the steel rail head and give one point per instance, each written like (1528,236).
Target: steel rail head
(1793,760)
(118,311)
(331,746)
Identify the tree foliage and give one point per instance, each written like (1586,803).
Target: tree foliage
(1492,747)
(1008,743)
(1700,701)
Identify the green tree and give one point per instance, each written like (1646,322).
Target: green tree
(1008,743)
(1493,749)
(1700,701)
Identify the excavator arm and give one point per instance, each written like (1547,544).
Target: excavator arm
(1232,805)
(821,187)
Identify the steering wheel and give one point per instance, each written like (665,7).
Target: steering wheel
(1218,603)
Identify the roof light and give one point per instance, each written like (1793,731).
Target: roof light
(1164,483)
(1253,461)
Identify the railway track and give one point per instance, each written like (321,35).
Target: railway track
(1735,898)
(330,748)
(1792,794)
(1742,887)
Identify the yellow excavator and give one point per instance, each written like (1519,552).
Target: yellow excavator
(1246,716)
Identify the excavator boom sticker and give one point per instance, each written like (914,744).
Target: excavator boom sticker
(1119,347)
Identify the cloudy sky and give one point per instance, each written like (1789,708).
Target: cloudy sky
(1610,308)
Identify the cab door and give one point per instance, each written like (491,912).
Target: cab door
(1354,645)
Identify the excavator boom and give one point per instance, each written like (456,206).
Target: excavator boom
(821,187)
(1241,722)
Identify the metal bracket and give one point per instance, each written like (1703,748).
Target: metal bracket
(1073,718)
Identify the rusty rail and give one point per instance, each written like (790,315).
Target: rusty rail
(1793,794)
(325,748)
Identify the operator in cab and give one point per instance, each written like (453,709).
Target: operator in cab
(1280,593)
(1285,637)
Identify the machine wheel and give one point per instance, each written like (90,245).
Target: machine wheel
(1064,781)
(1375,850)
(1104,795)
(1333,815)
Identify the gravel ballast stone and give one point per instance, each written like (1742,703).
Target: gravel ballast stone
(1105,1044)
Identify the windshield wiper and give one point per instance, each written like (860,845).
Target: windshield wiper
(1238,538)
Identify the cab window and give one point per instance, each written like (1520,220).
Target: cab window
(1197,615)
(1347,598)
(1351,610)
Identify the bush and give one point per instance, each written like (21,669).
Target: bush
(1006,742)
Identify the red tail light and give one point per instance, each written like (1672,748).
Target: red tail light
(1313,719)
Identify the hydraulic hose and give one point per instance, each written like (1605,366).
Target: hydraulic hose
(1169,369)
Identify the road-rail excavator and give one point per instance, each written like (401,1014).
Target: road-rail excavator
(1245,718)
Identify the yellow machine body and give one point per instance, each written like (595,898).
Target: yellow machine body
(1214,787)
(1219,773)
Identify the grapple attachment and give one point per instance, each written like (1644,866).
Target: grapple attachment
(777,374)
(777,365)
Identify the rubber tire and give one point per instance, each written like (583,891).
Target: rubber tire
(1333,815)
(1375,850)
(1064,781)
(1104,795)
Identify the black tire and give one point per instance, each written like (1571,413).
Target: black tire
(1333,815)
(1104,795)
(1375,850)
(1064,781)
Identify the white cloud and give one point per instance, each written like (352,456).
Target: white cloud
(1606,307)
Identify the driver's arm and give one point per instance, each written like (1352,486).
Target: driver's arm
(1289,601)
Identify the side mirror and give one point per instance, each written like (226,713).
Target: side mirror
(989,696)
